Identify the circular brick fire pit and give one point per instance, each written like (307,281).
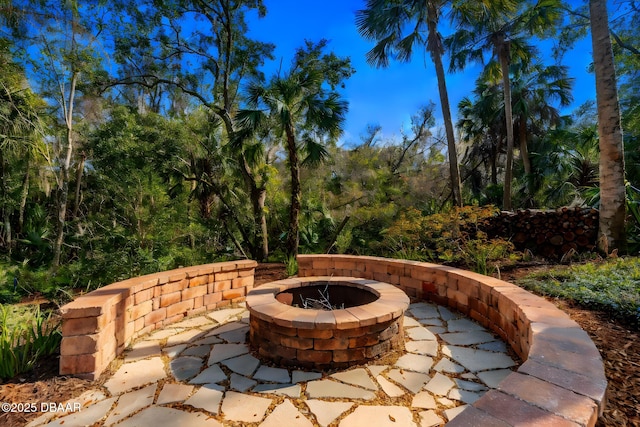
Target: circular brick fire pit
(366,321)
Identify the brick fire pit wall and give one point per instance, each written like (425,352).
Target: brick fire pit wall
(96,327)
(561,381)
(326,339)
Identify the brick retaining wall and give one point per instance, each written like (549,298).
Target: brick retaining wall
(97,327)
(561,381)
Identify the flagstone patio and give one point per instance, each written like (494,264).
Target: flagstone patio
(201,372)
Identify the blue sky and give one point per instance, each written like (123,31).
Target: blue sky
(384,96)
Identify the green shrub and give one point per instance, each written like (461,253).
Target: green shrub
(25,337)
(451,237)
(612,286)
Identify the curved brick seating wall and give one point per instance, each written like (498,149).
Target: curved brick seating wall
(96,327)
(561,381)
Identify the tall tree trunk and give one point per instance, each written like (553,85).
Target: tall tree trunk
(25,193)
(503,53)
(612,186)
(5,212)
(79,171)
(63,183)
(293,238)
(524,147)
(436,56)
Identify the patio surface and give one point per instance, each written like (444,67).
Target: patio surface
(200,372)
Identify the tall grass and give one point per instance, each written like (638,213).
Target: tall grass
(25,339)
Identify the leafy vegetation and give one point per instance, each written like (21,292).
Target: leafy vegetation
(26,335)
(612,286)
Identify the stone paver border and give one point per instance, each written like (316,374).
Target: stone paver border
(562,377)
(97,327)
(324,339)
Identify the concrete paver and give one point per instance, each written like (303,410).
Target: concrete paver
(131,402)
(427,348)
(142,350)
(213,374)
(303,376)
(290,390)
(172,393)
(412,381)
(243,365)
(185,367)
(389,388)
(423,400)
(240,382)
(493,378)
(420,333)
(469,385)
(477,360)
(276,375)
(446,365)
(286,414)
(88,416)
(377,369)
(197,351)
(244,407)
(207,397)
(159,416)
(439,384)
(467,338)
(221,352)
(333,389)
(430,419)
(237,335)
(221,316)
(358,376)
(185,337)
(326,412)
(415,362)
(453,412)
(173,351)
(135,374)
(384,416)
(465,396)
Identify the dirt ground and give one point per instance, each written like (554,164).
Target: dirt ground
(619,346)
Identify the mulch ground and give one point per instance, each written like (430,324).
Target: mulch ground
(619,346)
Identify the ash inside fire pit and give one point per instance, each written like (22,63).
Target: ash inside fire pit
(324,297)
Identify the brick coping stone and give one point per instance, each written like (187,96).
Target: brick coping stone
(562,380)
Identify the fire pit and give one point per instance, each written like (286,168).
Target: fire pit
(326,322)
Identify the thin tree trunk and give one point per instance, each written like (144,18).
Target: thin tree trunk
(296,193)
(25,194)
(612,186)
(76,202)
(63,194)
(503,47)
(259,197)
(454,170)
(524,146)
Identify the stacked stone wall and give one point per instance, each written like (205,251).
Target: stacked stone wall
(97,327)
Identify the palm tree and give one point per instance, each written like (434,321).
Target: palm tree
(303,113)
(497,27)
(612,185)
(385,22)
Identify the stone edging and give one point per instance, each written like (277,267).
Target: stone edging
(562,379)
(97,327)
